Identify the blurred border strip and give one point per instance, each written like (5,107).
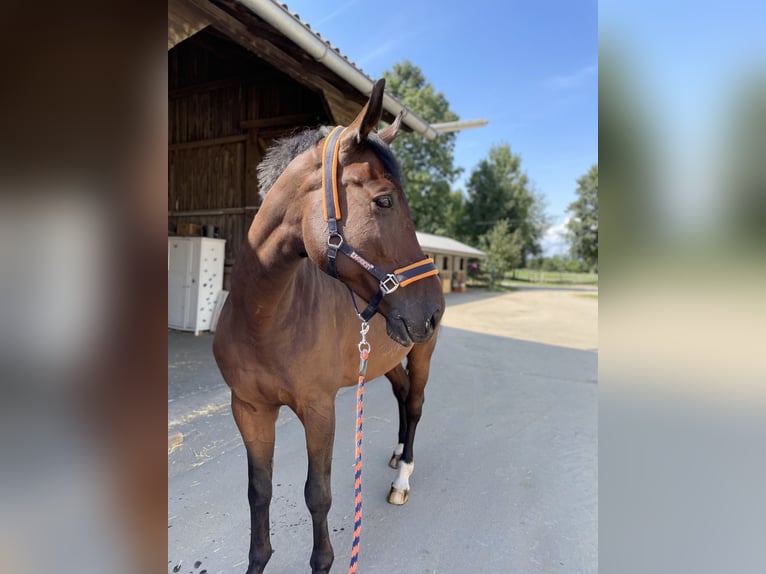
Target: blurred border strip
(83,112)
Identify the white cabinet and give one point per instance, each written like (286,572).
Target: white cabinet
(195,279)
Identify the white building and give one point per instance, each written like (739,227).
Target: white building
(451,259)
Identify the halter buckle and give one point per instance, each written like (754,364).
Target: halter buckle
(335,245)
(389,284)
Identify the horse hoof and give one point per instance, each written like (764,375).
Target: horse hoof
(398,496)
(394,462)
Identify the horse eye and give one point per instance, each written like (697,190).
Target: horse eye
(384,201)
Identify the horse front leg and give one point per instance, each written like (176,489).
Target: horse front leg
(256,423)
(400,384)
(418,366)
(318,419)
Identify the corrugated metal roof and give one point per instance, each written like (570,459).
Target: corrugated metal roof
(319,37)
(349,71)
(440,244)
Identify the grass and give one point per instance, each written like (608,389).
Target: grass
(521,277)
(552,277)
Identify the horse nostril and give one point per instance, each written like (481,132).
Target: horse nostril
(433,321)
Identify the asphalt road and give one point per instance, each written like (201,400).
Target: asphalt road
(505,474)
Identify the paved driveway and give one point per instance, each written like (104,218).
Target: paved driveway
(506,454)
(550,315)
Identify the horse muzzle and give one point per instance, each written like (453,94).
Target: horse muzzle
(407,331)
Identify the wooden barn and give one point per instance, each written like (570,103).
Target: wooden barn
(242,73)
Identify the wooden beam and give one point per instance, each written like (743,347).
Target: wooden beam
(266,50)
(207,143)
(206,87)
(274,37)
(184,20)
(251,193)
(343,111)
(280,121)
(221,211)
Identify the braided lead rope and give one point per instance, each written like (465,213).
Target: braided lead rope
(364,354)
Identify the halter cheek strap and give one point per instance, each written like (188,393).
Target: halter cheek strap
(388,282)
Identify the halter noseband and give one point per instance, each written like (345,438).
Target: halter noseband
(388,282)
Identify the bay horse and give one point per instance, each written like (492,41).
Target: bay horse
(288,333)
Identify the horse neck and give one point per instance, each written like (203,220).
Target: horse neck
(272,253)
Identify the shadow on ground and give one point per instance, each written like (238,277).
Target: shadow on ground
(471,295)
(505,476)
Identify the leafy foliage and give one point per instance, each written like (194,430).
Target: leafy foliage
(583,226)
(630,199)
(558,263)
(504,248)
(427,166)
(498,190)
(745,173)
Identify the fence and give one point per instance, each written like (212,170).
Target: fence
(481,278)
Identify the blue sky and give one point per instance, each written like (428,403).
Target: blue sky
(688,61)
(530,68)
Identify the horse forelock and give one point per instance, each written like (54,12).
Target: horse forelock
(285,150)
(386,156)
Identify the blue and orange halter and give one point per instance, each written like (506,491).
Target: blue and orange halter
(388,282)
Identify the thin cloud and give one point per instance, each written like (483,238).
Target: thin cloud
(555,241)
(336,12)
(384,48)
(573,80)
(404,36)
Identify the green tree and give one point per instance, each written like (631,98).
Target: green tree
(497,190)
(535,263)
(503,247)
(630,201)
(554,263)
(559,263)
(453,214)
(427,166)
(583,225)
(744,173)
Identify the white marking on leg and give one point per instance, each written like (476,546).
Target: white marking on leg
(402,481)
(399,449)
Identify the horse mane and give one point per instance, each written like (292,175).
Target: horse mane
(286,149)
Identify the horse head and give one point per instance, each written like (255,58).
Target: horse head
(367,211)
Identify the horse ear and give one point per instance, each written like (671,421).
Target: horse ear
(389,134)
(368,118)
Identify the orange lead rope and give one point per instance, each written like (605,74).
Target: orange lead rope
(387,284)
(364,354)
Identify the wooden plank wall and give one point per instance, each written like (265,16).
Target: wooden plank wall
(225,107)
